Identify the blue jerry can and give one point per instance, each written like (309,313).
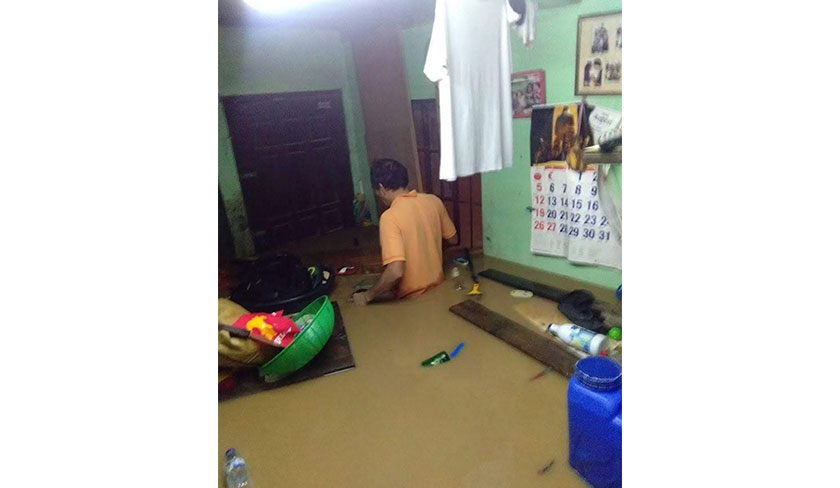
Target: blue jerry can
(594,401)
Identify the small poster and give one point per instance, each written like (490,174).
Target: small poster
(559,133)
(527,89)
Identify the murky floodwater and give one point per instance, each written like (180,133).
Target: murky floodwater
(474,421)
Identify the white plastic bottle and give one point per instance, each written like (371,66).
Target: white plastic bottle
(456,276)
(579,338)
(236,473)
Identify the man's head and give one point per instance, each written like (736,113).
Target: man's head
(389,179)
(564,130)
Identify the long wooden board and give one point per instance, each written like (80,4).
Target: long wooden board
(612,316)
(539,289)
(537,345)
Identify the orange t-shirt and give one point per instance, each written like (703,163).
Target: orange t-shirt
(411,231)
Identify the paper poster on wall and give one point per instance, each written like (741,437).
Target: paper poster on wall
(568,220)
(559,133)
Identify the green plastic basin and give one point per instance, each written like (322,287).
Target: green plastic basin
(306,344)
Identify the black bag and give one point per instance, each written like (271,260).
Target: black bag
(577,307)
(281,283)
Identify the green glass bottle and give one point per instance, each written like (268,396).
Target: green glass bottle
(438,358)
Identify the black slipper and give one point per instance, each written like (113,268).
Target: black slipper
(578,298)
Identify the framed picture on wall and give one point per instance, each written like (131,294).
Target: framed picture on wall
(527,89)
(598,63)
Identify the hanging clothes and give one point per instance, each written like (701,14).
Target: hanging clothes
(469,59)
(525,26)
(518,6)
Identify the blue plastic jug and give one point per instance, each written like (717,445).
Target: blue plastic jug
(594,400)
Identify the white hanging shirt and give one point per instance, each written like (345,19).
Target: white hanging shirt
(469,59)
(527,29)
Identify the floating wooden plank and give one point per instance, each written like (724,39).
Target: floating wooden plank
(539,289)
(612,317)
(539,346)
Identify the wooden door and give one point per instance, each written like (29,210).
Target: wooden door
(461,197)
(294,164)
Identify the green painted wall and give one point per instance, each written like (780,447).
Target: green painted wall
(355,124)
(232,192)
(274,60)
(415,45)
(506,193)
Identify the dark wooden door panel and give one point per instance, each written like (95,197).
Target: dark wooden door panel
(451,209)
(294,164)
(476,190)
(436,184)
(477,226)
(462,197)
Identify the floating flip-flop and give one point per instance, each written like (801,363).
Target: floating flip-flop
(521,293)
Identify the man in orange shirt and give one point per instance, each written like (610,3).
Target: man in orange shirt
(410,234)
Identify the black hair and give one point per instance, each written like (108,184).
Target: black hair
(389,173)
(563,119)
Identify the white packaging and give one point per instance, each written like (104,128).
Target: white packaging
(582,339)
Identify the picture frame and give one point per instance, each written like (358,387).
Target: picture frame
(598,56)
(527,89)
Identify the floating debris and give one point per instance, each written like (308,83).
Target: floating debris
(545,468)
(541,373)
(521,293)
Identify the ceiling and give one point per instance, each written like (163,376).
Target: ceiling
(343,15)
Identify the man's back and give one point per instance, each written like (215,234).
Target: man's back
(411,230)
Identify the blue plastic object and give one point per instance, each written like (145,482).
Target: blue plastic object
(618,292)
(594,400)
(456,350)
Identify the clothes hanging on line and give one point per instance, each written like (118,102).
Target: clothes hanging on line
(525,26)
(518,6)
(469,59)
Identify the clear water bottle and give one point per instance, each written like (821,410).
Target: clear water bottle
(236,473)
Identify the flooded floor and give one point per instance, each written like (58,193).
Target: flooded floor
(476,421)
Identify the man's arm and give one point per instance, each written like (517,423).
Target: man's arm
(452,240)
(393,257)
(384,289)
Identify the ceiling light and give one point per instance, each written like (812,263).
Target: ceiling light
(277,6)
